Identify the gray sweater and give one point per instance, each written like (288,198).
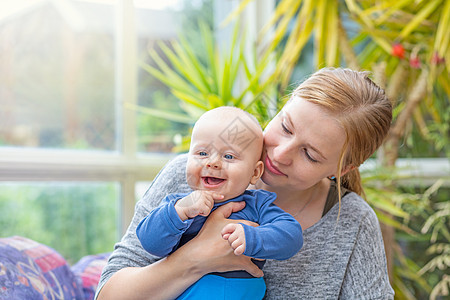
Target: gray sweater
(340,259)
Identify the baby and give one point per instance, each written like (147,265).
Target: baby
(223,159)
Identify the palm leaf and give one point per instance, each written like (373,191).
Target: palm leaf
(184,66)
(235,13)
(169,78)
(212,53)
(442,33)
(332,34)
(391,9)
(419,18)
(157,113)
(319,35)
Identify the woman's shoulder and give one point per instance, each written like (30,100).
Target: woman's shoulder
(354,205)
(177,163)
(354,200)
(355,214)
(174,170)
(352,212)
(171,179)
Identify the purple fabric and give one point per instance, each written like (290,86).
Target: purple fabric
(88,270)
(30,270)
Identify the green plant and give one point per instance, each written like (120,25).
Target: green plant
(232,78)
(439,250)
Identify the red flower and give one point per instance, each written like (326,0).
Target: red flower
(414,62)
(398,50)
(436,59)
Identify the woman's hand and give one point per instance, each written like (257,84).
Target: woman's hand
(170,276)
(210,252)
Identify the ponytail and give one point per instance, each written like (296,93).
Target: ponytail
(352,182)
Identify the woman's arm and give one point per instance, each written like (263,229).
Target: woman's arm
(169,277)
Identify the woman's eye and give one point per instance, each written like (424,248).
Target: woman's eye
(228,156)
(202,153)
(285,128)
(309,157)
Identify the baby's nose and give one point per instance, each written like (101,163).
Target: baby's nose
(214,163)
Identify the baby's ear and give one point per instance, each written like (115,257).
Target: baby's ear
(257,173)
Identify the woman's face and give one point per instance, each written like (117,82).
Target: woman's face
(302,145)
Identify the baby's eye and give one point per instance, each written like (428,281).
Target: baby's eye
(202,153)
(228,156)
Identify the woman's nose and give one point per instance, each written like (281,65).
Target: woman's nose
(282,154)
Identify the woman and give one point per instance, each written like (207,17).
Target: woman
(333,122)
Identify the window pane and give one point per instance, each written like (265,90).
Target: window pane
(57,74)
(76,218)
(141,188)
(157,22)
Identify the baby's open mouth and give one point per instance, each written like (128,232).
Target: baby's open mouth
(212,181)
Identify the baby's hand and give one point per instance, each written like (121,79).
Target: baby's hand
(196,203)
(235,235)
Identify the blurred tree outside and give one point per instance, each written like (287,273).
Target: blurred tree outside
(76,219)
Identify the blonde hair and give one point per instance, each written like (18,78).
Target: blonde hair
(361,108)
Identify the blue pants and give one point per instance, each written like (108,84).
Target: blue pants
(214,287)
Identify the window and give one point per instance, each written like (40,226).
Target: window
(73,158)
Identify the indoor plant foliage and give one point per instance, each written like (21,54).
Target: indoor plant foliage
(232,76)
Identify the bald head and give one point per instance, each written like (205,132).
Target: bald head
(232,125)
(229,113)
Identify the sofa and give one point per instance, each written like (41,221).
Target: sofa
(31,270)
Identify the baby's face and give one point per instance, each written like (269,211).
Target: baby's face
(223,155)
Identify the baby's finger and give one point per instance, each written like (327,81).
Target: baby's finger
(228,229)
(209,203)
(204,211)
(239,250)
(225,236)
(237,243)
(217,196)
(204,208)
(208,199)
(233,239)
(212,194)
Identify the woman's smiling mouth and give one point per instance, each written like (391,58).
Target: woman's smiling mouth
(272,169)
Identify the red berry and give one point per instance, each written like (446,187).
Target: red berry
(398,50)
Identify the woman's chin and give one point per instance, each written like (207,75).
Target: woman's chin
(268,179)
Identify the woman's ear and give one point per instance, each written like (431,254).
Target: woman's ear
(347,169)
(257,173)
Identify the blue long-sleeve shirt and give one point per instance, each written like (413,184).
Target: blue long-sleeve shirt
(279,235)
